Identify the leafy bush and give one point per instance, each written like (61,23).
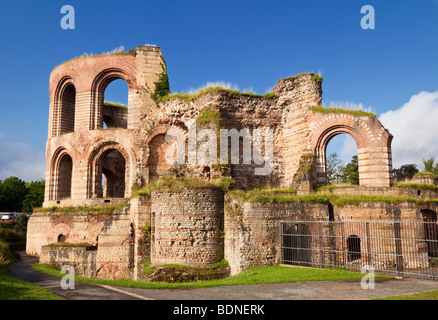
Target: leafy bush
(11,235)
(4,254)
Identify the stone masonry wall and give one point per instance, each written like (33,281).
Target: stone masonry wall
(187,227)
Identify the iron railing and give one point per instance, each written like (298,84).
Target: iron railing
(402,248)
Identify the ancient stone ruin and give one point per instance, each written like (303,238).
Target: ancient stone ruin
(100,156)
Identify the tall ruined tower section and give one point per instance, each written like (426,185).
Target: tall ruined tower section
(296,95)
(89,140)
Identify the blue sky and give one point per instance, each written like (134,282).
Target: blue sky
(250,44)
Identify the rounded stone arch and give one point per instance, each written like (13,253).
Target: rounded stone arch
(61,173)
(102,79)
(328,128)
(96,167)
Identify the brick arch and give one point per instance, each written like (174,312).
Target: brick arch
(58,176)
(373,147)
(95,167)
(99,84)
(63,108)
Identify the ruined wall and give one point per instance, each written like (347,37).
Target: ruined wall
(252,230)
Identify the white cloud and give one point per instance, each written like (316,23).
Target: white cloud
(21,160)
(347,105)
(222,84)
(415,130)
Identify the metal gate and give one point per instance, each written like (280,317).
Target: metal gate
(408,249)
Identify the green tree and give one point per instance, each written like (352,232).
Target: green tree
(35,195)
(406,171)
(334,168)
(350,173)
(430,165)
(13,191)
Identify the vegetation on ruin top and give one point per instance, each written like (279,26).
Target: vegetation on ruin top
(413,185)
(115,105)
(276,196)
(178,184)
(354,113)
(117,51)
(193,96)
(70,245)
(424,173)
(109,209)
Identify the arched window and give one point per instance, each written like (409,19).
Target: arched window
(115,104)
(353,247)
(64,177)
(67,109)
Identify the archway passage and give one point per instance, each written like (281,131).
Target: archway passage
(112,168)
(353,248)
(68,109)
(374,159)
(341,160)
(296,245)
(64,177)
(430,231)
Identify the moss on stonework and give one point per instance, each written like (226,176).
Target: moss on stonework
(424,173)
(70,245)
(354,113)
(177,273)
(109,210)
(114,105)
(210,114)
(317,78)
(273,196)
(131,52)
(178,184)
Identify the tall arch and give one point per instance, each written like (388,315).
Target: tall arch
(64,107)
(321,149)
(98,111)
(60,185)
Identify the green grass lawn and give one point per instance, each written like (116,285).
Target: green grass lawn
(428,295)
(12,288)
(260,275)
